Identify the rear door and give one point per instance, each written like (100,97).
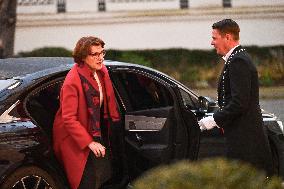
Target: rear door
(151,119)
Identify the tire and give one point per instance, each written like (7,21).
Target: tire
(30,177)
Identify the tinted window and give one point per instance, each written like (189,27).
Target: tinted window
(43,103)
(142,92)
(189,101)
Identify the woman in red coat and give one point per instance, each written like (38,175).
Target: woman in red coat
(82,124)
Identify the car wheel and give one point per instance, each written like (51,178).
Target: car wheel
(30,177)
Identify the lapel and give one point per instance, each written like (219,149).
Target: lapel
(219,84)
(233,54)
(88,75)
(225,68)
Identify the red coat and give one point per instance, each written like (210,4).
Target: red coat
(71,130)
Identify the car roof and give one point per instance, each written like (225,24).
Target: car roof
(19,67)
(15,67)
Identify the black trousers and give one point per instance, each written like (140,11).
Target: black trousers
(97,171)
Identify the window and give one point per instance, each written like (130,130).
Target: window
(227,3)
(184,4)
(189,101)
(141,92)
(43,102)
(61,6)
(102,5)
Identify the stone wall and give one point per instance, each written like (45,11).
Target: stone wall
(148,29)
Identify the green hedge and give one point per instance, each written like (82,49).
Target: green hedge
(206,174)
(47,52)
(191,67)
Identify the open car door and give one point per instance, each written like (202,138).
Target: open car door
(151,120)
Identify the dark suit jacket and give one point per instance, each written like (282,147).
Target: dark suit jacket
(240,114)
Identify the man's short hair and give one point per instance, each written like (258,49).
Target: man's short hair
(227,26)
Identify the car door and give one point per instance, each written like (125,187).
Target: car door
(205,144)
(189,110)
(212,142)
(152,122)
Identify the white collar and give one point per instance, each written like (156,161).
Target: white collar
(226,57)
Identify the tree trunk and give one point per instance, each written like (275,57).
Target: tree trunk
(8,17)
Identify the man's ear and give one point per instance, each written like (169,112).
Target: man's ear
(228,37)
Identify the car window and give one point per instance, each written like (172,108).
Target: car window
(189,101)
(43,102)
(142,92)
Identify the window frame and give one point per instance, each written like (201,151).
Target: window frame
(124,101)
(195,103)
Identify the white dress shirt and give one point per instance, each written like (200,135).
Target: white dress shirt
(226,57)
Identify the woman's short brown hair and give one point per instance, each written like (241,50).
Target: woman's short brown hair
(82,48)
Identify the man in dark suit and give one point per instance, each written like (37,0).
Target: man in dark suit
(238,97)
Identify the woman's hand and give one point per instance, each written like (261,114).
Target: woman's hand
(98,149)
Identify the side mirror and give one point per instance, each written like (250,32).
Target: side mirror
(207,105)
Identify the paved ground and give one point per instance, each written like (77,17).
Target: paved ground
(275,106)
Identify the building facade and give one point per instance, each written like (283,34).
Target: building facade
(144,24)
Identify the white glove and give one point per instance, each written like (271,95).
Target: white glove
(207,123)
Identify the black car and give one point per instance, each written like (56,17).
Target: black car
(159,115)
